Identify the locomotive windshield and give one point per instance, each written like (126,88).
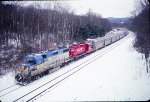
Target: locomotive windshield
(30,61)
(44,56)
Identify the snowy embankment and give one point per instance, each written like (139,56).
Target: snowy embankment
(118,75)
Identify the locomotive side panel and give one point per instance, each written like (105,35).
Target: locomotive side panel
(51,62)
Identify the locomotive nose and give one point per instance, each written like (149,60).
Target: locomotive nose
(18,77)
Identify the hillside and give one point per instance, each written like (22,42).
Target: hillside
(119,20)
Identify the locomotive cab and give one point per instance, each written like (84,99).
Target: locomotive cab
(24,72)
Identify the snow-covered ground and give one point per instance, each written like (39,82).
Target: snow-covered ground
(118,75)
(6,81)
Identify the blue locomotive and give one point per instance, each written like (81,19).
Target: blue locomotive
(37,65)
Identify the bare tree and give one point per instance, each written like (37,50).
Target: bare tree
(140,25)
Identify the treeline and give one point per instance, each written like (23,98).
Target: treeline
(140,25)
(30,29)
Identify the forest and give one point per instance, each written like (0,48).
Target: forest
(140,25)
(30,29)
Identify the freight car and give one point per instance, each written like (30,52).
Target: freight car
(101,42)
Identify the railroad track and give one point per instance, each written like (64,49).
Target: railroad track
(9,89)
(38,92)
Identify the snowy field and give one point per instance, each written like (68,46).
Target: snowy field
(119,75)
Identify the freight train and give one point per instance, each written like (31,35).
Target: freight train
(37,65)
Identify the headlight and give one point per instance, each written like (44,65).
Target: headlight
(22,68)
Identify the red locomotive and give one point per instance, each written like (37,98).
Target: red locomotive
(79,49)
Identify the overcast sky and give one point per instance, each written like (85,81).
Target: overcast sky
(107,8)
